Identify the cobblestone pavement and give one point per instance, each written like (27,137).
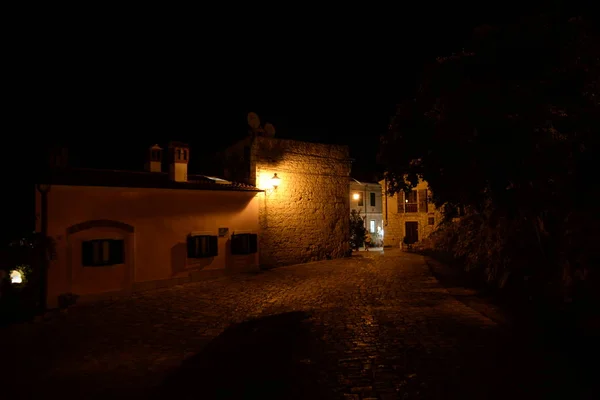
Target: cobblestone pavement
(372,327)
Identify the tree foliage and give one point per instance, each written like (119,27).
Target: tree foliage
(358,231)
(508,129)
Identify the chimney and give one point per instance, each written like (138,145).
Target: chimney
(179,155)
(154,159)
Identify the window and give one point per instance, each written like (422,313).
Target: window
(244,243)
(372,226)
(202,246)
(102,252)
(360,201)
(372,199)
(411,203)
(185,155)
(431,221)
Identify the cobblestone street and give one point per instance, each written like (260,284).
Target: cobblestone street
(372,327)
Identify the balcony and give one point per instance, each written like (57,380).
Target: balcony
(411,207)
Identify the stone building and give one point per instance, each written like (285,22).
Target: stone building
(366,198)
(409,215)
(121,231)
(305,217)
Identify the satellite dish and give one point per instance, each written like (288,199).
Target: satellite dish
(253,120)
(269,129)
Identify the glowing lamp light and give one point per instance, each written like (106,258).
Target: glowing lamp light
(275,181)
(16,277)
(406,201)
(356,196)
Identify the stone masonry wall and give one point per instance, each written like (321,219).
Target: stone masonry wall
(306,217)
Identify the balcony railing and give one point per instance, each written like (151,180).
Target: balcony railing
(411,207)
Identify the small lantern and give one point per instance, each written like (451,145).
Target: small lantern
(406,201)
(356,196)
(16,276)
(275,181)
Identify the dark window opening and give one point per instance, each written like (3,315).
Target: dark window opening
(202,246)
(102,252)
(372,199)
(360,201)
(244,243)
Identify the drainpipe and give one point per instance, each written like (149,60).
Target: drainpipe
(44,189)
(385,194)
(365,205)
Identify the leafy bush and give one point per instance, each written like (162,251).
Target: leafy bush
(358,232)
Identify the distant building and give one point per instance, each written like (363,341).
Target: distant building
(121,231)
(409,215)
(366,198)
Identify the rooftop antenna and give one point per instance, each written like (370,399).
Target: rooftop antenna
(269,129)
(253,120)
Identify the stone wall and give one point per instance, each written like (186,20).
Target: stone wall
(306,218)
(394,220)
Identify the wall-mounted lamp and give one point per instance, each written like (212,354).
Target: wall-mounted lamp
(16,276)
(356,196)
(275,181)
(406,201)
(43,187)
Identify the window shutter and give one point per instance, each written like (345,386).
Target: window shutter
(213,246)
(235,244)
(423,200)
(116,252)
(191,247)
(253,245)
(400,197)
(87,251)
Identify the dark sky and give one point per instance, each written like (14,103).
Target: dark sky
(109,89)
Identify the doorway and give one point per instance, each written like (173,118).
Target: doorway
(411,229)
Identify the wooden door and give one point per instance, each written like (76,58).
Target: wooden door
(411,229)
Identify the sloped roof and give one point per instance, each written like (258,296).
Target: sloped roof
(139,179)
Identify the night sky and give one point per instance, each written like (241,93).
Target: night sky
(108,91)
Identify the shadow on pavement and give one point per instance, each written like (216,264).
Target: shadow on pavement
(266,358)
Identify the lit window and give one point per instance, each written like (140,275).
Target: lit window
(372,226)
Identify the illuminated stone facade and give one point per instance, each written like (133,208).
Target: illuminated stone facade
(409,215)
(306,217)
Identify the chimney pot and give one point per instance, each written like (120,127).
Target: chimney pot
(154,159)
(179,156)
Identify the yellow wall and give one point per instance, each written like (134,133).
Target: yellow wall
(155,249)
(395,222)
(364,190)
